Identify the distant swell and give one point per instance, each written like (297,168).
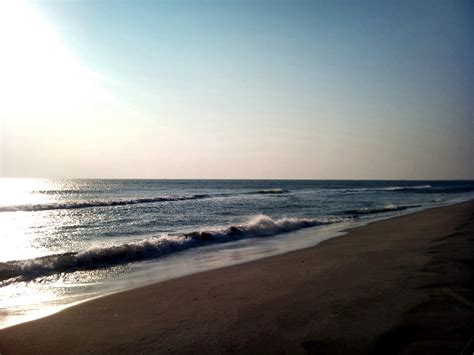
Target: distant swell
(441,190)
(258,226)
(97,203)
(419,189)
(270,191)
(390,188)
(408,188)
(375,210)
(122,202)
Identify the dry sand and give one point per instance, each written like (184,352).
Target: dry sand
(402,285)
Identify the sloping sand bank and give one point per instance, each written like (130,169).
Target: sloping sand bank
(403,285)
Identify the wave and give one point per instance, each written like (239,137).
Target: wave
(388,188)
(398,188)
(97,203)
(258,226)
(375,210)
(122,202)
(419,189)
(443,189)
(269,191)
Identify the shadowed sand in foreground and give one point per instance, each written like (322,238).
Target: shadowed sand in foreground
(403,285)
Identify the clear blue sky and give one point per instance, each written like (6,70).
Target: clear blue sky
(240,89)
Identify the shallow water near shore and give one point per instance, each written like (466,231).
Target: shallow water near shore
(73,240)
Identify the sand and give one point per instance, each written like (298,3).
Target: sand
(402,285)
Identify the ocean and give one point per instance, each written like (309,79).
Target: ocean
(66,241)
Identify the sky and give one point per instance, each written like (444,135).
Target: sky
(237,89)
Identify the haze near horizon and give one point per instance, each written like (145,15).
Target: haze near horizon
(214,89)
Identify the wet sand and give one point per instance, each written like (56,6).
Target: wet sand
(403,285)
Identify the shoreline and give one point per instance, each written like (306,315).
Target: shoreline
(328,298)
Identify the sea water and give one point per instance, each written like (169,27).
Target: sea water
(65,241)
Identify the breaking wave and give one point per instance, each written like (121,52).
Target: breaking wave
(97,203)
(258,226)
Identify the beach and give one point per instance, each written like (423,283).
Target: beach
(401,285)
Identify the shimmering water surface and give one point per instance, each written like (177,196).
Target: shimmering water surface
(64,241)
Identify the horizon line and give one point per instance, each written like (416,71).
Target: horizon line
(239,179)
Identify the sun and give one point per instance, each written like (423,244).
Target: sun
(38,72)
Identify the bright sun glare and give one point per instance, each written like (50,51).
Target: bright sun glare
(38,73)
